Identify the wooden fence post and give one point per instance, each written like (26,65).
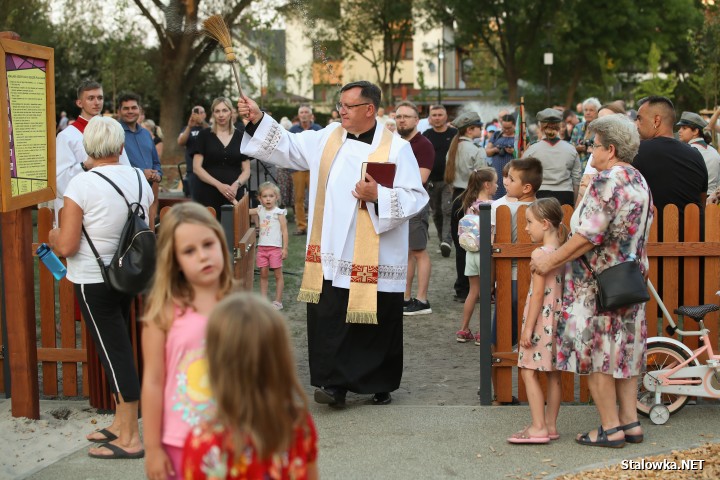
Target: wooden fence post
(17,234)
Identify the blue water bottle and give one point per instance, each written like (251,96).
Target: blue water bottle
(51,261)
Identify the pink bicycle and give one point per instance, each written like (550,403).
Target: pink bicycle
(673,371)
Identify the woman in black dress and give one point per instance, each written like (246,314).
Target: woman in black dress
(219,167)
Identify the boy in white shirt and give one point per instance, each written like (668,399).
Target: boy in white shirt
(523,179)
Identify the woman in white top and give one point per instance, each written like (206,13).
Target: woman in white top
(91,201)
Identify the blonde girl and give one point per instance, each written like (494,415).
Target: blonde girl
(192,275)
(542,311)
(481,187)
(273,240)
(262,426)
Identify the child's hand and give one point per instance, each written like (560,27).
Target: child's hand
(284,253)
(157,464)
(525,338)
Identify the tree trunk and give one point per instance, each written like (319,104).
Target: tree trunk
(572,88)
(512,82)
(176,84)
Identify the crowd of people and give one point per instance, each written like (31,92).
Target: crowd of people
(219,391)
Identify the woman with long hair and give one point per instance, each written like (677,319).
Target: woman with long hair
(463,157)
(220,170)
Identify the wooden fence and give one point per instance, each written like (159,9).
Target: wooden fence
(685,266)
(64,344)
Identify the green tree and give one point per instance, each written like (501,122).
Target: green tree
(595,44)
(28,18)
(360,25)
(656,84)
(183,53)
(601,45)
(510,31)
(706,77)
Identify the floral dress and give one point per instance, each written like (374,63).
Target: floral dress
(541,355)
(210,454)
(613,212)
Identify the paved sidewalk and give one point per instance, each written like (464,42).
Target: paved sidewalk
(432,442)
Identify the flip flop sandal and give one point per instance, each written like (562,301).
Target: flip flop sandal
(602,439)
(632,438)
(109,436)
(523,438)
(556,436)
(117,453)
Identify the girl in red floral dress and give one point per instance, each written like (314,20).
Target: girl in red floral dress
(262,429)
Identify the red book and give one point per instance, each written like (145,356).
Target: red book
(382,172)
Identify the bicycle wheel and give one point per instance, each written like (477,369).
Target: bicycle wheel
(660,356)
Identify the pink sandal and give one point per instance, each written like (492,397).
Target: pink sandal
(463,336)
(524,438)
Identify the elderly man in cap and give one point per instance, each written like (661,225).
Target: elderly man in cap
(691,131)
(561,166)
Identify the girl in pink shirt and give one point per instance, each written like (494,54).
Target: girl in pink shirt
(193,274)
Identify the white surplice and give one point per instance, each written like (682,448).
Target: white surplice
(303,151)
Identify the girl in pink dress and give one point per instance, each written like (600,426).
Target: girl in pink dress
(542,311)
(193,274)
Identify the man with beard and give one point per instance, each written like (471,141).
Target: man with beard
(407,118)
(440,135)
(561,167)
(674,171)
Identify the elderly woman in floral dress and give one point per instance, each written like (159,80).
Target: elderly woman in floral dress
(609,226)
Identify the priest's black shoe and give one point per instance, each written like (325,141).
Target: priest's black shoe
(382,398)
(334,397)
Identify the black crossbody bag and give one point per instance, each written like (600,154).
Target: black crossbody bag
(621,285)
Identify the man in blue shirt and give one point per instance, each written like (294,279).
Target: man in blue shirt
(139,146)
(301,180)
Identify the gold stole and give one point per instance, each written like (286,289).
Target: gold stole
(362,302)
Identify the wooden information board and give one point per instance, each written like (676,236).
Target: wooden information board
(27,129)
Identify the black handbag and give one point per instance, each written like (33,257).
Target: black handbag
(621,285)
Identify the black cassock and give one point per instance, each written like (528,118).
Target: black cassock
(361,358)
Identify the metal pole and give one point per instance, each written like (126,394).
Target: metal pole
(548,85)
(485,310)
(226,221)
(439,69)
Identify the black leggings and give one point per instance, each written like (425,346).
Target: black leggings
(462,284)
(107,316)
